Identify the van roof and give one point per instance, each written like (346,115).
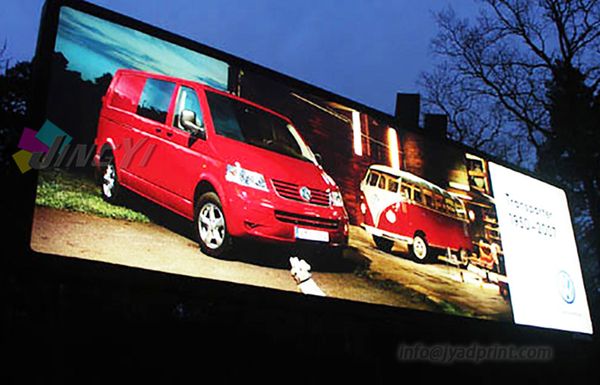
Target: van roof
(196,84)
(405,175)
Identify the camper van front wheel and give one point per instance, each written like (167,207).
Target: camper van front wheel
(419,249)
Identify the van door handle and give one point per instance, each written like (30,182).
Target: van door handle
(158,129)
(169,133)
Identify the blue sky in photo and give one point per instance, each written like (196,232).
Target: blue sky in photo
(94,47)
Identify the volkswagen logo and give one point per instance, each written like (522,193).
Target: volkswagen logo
(305,193)
(566,287)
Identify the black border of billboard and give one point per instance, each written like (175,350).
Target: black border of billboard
(74,270)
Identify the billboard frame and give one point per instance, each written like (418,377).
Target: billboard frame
(72,270)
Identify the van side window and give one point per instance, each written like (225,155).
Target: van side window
(392,185)
(155,100)
(417,195)
(127,92)
(406,190)
(187,100)
(381,183)
(449,206)
(372,181)
(428,195)
(439,203)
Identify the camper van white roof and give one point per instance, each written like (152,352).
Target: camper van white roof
(409,177)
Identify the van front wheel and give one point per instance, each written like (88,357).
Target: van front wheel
(419,249)
(211,226)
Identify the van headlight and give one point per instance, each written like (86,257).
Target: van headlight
(236,174)
(335,198)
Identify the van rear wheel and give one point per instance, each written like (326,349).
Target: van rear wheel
(110,182)
(383,244)
(211,226)
(463,258)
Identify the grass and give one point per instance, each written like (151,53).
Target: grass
(450,308)
(61,190)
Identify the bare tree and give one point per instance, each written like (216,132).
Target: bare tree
(497,78)
(492,78)
(522,81)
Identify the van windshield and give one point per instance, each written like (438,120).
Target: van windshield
(245,123)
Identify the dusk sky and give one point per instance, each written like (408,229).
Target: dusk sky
(93,47)
(364,50)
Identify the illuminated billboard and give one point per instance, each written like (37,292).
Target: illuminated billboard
(166,158)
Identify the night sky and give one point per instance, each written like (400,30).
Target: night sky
(364,50)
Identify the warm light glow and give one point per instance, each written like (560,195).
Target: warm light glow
(462,196)
(392,137)
(459,186)
(357,133)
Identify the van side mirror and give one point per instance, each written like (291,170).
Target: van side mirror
(319,158)
(187,119)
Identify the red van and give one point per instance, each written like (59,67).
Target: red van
(236,169)
(399,206)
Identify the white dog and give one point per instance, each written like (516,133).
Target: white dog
(301,273)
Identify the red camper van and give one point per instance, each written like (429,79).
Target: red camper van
(235,168)
(399,206)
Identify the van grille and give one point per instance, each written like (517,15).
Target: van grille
(292,191)
(305,220)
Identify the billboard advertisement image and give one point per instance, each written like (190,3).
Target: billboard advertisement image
(169,159)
